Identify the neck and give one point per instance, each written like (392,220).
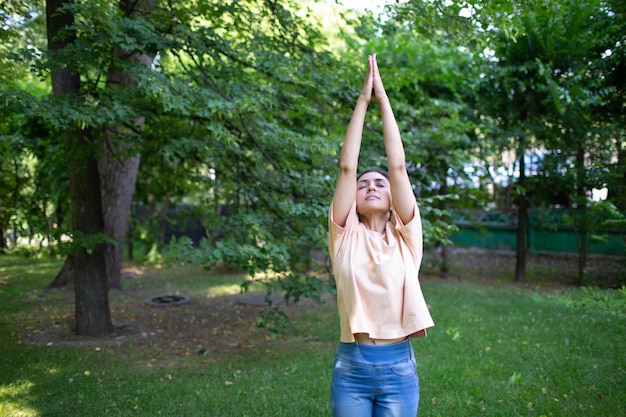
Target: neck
(376,223)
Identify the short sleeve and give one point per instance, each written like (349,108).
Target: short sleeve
(412,233)
(337,233)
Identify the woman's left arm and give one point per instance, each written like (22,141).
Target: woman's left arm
(402,195)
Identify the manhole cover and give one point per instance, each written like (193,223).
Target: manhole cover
(168,300)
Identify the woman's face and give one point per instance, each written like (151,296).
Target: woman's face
(373,194)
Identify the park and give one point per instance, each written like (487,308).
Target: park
(166,173)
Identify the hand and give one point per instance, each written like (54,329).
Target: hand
(377,82)
(368,84)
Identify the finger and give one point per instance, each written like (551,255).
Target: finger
(372,71)
(375,66)
(368,82)
(378,82)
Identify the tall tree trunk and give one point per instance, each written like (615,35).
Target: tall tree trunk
(3,241)
(92,311)
(118,162)
(444,268)
(583,228)
(129,239)
(90,273)
(118,177)
(522,219)
(617,187)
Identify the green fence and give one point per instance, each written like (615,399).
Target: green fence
(547,233)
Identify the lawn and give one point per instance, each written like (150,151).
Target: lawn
(497,350)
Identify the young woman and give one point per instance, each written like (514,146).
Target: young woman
(375,242)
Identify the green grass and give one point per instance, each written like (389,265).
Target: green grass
(496,350)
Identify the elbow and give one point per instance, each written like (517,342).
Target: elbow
(346,168)
(397,167)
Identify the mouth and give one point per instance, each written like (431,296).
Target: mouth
(371,197)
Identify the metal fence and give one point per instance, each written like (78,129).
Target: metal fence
(547,232)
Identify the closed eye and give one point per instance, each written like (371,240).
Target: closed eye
(379,183)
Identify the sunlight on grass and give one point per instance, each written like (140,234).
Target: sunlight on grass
(225,289)
(17,391)
(237,287)
(10,409)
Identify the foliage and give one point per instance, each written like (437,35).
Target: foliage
(244,110)
(253,152)
(237,110)
(542,88)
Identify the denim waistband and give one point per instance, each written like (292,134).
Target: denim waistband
(364,354)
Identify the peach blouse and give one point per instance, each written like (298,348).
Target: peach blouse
(378,290)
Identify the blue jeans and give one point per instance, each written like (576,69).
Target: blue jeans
(377,381)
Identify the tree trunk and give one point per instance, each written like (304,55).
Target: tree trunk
(3,241)
(521,241)
(118,177)
(617,187)
(65,277)
(129,238)
(92,311)
(583,228)
(522,220)
(119,163)
(444,268)
(90,273)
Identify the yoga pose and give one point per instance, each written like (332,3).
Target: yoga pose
(375,243)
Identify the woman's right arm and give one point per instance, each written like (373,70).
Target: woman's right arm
(345,190)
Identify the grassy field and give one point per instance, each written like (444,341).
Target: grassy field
(497,350)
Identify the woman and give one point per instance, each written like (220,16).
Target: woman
(375,241)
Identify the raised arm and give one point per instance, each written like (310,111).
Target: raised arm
(401,191)
(345,190)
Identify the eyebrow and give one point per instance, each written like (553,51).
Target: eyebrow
(366,181)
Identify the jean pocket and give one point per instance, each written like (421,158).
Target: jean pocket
(343,367)
(404,369)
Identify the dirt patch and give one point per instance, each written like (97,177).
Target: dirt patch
(209,326)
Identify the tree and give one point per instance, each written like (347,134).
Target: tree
(550,86)
(118,163)
(610,71)
(514,93)
(551,67)
(92,315)
(264,176)
(437,70)
(238,82)
(17,171)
